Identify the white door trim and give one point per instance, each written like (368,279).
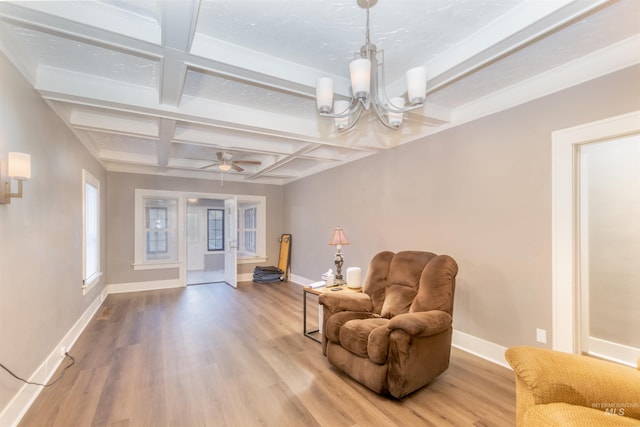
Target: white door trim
(564,227)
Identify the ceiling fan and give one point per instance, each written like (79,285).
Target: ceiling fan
(225,162)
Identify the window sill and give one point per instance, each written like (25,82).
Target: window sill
(89,283)
(156,266)
(251,259)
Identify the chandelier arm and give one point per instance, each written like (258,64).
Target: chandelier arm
(355,106)
(380,113)
(352,121)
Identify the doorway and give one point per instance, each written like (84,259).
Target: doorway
(205,241)
(609,248)
(577,301)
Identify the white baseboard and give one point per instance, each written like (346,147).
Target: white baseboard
(118,288)
(24,398)
(479,347)
(615,352)
(302,281)
(245,277)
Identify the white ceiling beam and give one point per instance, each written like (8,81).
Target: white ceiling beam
(178,21)
(257,67)
(167,130)
(178,28)
(20,15)
(510,32)
(94,14)
(107,123)
(171,82)
(84,98)
(284,160)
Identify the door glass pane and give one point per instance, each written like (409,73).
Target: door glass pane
(610,246)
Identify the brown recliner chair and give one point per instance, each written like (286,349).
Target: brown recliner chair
(395,336)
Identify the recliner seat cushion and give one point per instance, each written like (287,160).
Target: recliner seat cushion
(336,321)
(354,334)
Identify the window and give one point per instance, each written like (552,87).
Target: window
(156,237)
(215,229)
(90,231)
(248,229)
(161,229)
(157,234)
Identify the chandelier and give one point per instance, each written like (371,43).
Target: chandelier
(368,87)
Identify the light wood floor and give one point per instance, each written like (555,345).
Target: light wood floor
(212,355)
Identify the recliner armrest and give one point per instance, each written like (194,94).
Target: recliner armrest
(422,323)
(346,301)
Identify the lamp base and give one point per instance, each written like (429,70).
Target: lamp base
(338,281)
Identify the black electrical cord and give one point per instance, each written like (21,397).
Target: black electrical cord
(73,361)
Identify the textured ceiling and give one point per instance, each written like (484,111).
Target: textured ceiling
(160,87)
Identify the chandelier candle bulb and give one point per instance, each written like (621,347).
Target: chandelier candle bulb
(324,94)
(395,117)
(360,71)
(417,85)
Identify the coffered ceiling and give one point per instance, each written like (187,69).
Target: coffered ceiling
(160,87)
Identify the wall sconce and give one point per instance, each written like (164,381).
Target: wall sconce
(18,168)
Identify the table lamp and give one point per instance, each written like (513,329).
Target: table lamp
(338,238)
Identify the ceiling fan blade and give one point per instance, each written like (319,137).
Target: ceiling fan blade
(248,162)
(235,167)
(208,166)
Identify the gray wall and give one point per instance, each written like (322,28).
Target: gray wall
(480,192)
(40,234)
(121,199)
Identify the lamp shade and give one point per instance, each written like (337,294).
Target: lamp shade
(224,167)
(360,71)
(340,107)
(417,84)
(395,118)
(19,166)
(338,237)
(324,94)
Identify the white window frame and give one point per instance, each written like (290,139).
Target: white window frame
(90,278)
(260,203)
(140,261)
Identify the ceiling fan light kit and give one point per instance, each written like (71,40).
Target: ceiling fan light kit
(368,87)
(225,163)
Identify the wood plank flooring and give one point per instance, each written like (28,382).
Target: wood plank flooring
(211,355)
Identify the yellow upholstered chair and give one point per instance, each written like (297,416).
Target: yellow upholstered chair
(562,389)
(395,336)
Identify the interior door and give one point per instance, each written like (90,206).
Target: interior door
(195,244)
(609,250)
(231,242)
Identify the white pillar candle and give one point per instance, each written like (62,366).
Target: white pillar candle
(354,277)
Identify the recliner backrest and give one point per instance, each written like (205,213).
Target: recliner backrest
(437,286)
(393,279)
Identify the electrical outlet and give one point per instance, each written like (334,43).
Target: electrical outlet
(541,336)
